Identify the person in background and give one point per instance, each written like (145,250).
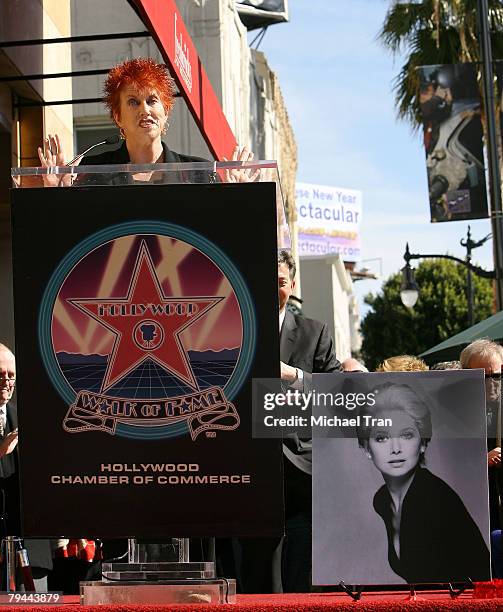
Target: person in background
(487,355)
(446,365)
(39,551)
(306,347)
(353,365)
(74,560)
(402,363)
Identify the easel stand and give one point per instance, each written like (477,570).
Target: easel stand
(355,591)
(170,578)
(413,596)
(456,592)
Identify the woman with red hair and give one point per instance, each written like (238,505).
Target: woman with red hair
(139,94)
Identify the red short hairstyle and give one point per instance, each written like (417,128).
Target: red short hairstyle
(142,73)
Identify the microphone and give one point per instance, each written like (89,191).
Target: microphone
(108,141)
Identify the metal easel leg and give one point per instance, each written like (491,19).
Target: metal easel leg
(9,555)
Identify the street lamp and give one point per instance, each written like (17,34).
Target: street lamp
(409,290)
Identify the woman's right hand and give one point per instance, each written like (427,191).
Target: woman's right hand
(52,154)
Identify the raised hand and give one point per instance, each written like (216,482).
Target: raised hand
(52,154)
(244,175)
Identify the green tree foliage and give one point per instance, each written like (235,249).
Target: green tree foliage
(389,328)
(432,32)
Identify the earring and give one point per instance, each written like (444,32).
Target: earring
(122,134)
(165,127)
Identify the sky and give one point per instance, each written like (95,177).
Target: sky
(336,79)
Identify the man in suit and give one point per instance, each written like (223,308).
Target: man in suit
(306,348)
(39,551)
(9,492)
(488,356)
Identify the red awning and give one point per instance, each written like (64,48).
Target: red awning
(165,23)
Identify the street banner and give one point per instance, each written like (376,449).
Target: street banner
(400,488)
(453,141)
(328,220)
(138,312)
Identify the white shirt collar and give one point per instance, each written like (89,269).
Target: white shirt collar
(282,317)
(3,416)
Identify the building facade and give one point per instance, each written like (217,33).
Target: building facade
(328,296)
(23,120)
(246,88)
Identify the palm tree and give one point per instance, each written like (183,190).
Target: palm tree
(434,32)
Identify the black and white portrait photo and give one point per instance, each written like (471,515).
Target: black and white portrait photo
(401,495)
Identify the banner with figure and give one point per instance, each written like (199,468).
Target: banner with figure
(453,141)
(400,489)
(137,336)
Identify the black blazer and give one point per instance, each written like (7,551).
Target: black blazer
(121,156)
(439,540)
(39,551)
(308,345)
(9,482)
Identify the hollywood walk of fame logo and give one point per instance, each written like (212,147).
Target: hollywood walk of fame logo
(147,331)
(147,324)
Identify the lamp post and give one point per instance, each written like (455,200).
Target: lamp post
(492,146)
(409,289)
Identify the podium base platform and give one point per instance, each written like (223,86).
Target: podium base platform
(189,591)
(163,571)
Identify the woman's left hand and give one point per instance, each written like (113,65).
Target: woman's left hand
(244,175)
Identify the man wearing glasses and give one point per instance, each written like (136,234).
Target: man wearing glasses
(488,355)
(39,551)
(8,442)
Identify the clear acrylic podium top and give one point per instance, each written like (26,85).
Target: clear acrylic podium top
(115,175)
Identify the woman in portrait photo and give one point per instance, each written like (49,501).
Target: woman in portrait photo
(431,535)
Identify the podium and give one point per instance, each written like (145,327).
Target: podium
(145,301)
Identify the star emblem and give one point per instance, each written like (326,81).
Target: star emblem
(147,324)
